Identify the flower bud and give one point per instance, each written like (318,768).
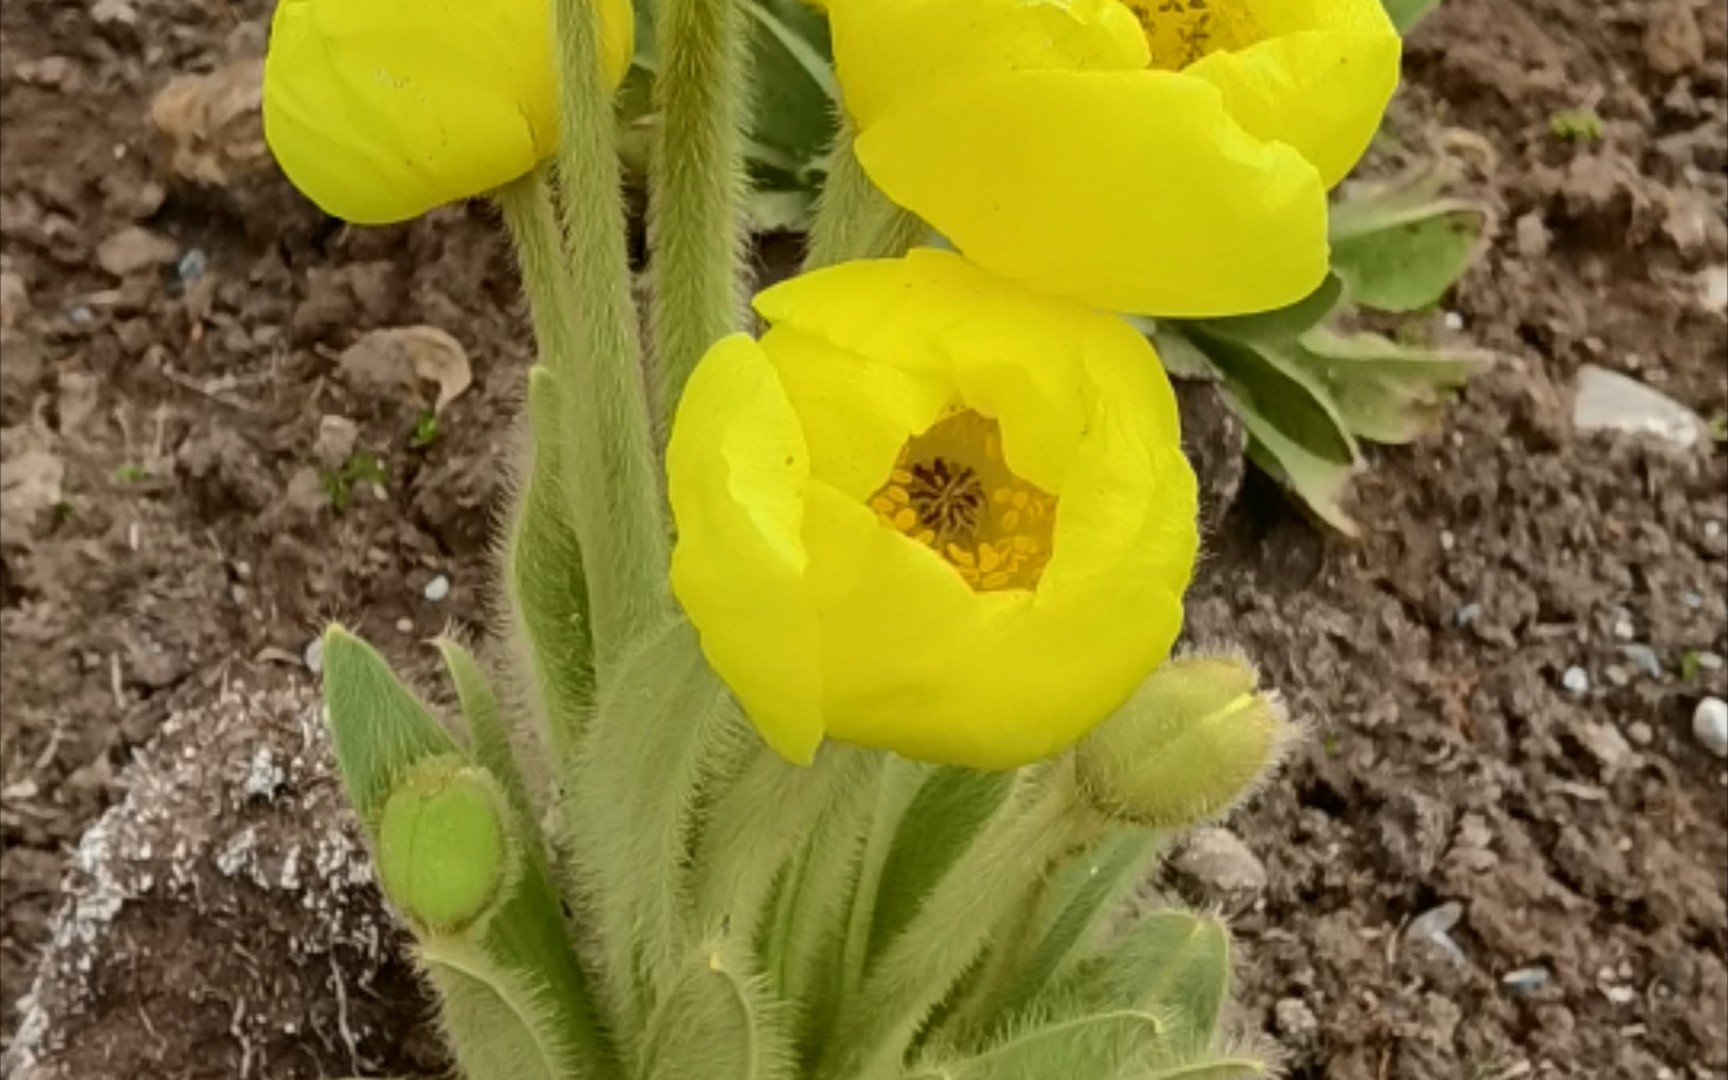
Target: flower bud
(1192,741)
(443,853)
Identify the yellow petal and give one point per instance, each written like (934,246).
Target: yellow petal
(1319,81)
(890,54)
(1130,191)
(993,345)
(379,110)
(737,470)
(913,659)
(856,415)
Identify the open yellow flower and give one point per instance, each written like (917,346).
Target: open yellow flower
(1163,157)
(931,512)
(379,110)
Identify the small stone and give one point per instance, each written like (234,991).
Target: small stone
(314,655)
(1454,321)
(336,438)
(1640,733)
(1708,661)
(133,249)
(404,625)
(1294,1019)
(1532,236)
(1616,675)
(1467,615)
(1607,746)
(1693,600)
(1644,658)
(1710,725)
(437,589)
(1620,995)
(1217,860)
(1623,629)
(1575,680)
(1609,401)
(113,13)
(1447,540)
(1525,981)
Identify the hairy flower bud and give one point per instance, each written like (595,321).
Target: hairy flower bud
(444,856)
(1192,741)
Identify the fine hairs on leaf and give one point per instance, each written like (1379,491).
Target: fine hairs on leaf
(1092,1046)
(1040,822)
(380,728)
(488,737)
(696,186)
(718,1021)
(1067,914)
(758,821)
(547,594)
(499,1024)
(631,799)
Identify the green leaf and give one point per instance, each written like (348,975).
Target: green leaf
(548,598)
(1268,380)
(1079,898)
(499,1024)
(1407,13)
(794,87)
(1387,392)
(488,735)
(943,818)
(1398,247)
(1094,1047)
(1175,965)
(380,729)
(633,795)
(1317,482)
(719,1022)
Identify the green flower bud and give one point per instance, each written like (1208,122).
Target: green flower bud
(443,853)
(1192,741)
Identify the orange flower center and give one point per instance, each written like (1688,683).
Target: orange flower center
(952,491)
(1180,32)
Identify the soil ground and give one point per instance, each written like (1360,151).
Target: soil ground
(196,481)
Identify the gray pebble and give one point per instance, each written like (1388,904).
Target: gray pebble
(1575,680)
(314,655)
(1525,980)
(1467,615)
(1644,658)
(437,589)
(1639,732)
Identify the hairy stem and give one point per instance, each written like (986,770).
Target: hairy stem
(696,186)
(854,220)
(611,469)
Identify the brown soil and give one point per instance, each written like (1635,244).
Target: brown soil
(173,428)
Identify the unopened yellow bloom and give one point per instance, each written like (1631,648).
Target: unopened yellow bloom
(1163,157)
(379,110)
(932,512)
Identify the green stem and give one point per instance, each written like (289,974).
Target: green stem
(854,220)
(1044,820)
(610,465)
(696,186)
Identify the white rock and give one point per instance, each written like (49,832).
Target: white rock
(1576,680)
(437,589)
(314,655)
(1710,725)
(1609,401)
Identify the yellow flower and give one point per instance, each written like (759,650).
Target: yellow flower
(931,512)
(379,110)
(1164,157)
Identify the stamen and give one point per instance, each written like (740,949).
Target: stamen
(940,494)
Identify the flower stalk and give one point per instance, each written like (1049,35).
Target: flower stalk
(611,471)
(696,186)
